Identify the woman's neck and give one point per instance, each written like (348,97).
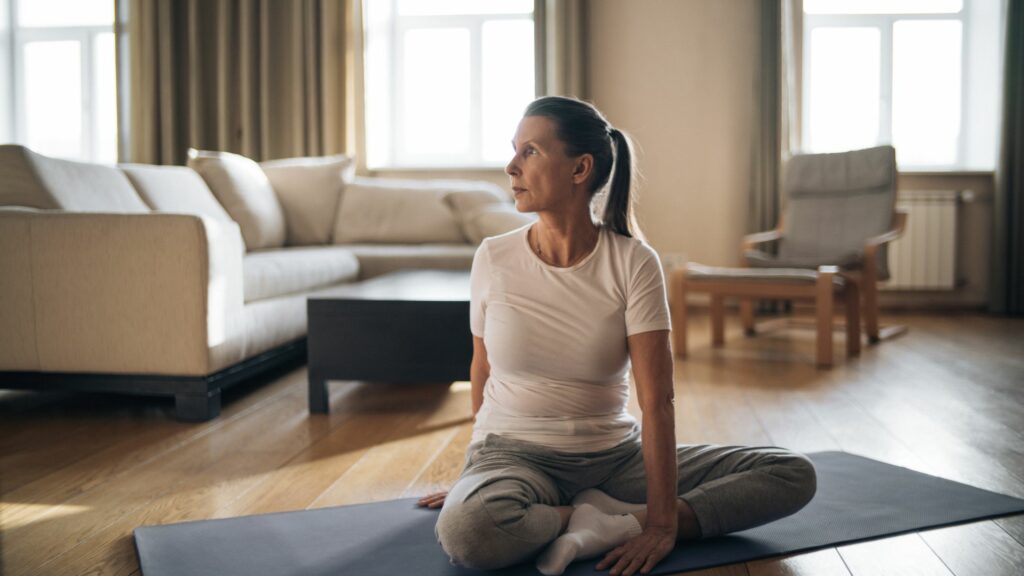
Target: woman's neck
(562,241)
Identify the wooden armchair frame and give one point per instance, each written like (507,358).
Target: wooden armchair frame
(865,277)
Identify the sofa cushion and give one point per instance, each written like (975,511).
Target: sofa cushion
(376,210)
(174,189)
(309,190)
(38,181)
(270,273)
(466,203)
(492,220)
(244,191)
(377,259)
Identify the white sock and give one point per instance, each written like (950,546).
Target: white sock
(605,503)
(590,533)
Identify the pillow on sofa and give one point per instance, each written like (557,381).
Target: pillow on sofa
(377,210)
(245,192)
(309,190)
(465,202)
(174,189)
(37,181)
(492,220)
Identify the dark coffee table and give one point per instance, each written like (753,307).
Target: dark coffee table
(409,326)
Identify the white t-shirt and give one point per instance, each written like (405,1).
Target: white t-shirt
(556,338)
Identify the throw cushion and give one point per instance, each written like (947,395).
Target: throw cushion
(37,181)
(245,192)
(492,220)
(375,210)
(466,201)
(174,189)
(309,190)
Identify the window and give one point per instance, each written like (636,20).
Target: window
(446,81)
(61,99)
(923,75)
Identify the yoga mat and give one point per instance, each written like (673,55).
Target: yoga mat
(857,499)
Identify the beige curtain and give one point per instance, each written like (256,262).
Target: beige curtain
(561,47)
(776,129)
(263,78)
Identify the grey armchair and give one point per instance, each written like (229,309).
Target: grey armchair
(840,211)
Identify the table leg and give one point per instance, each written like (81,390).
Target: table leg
(318,396)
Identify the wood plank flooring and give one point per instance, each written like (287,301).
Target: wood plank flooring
(79,472)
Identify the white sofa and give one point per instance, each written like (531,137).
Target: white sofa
(185,280)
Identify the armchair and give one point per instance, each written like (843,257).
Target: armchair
(832,246)
(841,211)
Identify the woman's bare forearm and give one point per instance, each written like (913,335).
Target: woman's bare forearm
(659,446)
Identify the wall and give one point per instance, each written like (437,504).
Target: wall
(679,77)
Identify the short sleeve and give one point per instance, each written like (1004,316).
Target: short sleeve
(479,286)
(646,303)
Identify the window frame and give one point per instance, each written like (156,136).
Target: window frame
(885,23)
(86,37)
(399,158)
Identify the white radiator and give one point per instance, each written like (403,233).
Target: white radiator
(924,258)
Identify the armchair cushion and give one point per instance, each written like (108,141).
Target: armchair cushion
(245,192)
(835,203)
(309,190)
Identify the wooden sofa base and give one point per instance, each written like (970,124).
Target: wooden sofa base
(196,398)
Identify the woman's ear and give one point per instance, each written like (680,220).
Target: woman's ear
(583,169)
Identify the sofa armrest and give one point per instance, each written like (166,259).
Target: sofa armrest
(119,293)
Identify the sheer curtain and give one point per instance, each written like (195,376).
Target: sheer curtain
(262,78)
(1008,247)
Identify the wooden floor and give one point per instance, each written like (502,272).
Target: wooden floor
(79,472)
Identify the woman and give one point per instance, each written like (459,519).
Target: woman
(560,310)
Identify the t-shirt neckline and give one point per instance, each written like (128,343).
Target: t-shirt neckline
(536,257)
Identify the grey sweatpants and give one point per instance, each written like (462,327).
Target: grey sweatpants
(501,510)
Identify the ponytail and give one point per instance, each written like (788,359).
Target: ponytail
(618,210)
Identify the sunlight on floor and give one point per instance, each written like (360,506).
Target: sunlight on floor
(17,515)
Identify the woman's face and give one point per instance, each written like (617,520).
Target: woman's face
(542,175)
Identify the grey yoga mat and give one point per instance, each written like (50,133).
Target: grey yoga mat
(858,499)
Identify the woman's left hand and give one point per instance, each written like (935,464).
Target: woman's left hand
(640,554)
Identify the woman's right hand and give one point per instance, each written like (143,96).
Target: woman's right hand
(435,500)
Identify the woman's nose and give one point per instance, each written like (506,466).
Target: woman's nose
(512,168)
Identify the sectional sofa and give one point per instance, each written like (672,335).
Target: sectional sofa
(184,280)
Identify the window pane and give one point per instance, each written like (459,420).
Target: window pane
(105,99)
(508,83)
(435,91)
(53,98)
(844,88)
(65,12)
(882,6)
(926,91)
(455,7)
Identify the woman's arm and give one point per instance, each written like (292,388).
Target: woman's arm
(479,371)
(651,357)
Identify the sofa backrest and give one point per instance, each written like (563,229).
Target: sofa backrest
(37,181)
